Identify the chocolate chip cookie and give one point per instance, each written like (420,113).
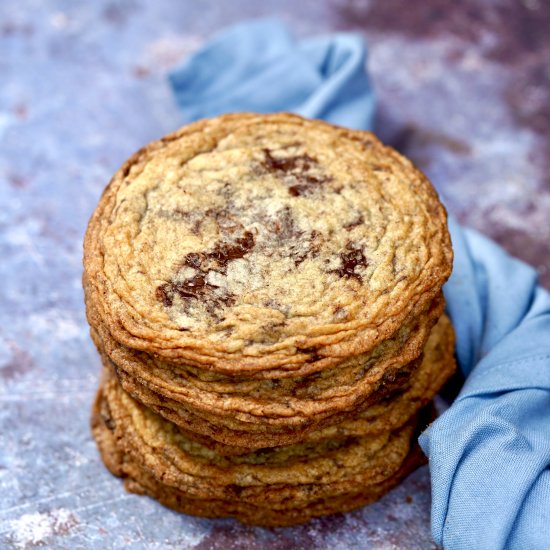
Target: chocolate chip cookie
(265,292)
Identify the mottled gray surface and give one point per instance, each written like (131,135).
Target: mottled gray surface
(464,90)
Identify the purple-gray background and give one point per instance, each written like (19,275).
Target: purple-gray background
(464,90)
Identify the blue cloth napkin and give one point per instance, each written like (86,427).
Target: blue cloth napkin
(259,67)
(489,453)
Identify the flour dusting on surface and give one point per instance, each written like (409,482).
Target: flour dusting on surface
(33,529)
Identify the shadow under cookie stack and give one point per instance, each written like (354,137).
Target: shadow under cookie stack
(265,294)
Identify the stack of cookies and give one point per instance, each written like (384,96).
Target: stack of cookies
(265,294)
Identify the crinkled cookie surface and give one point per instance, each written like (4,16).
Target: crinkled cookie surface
(264,239)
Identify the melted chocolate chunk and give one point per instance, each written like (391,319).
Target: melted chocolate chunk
(306,185)
(351,258)
(354,223)
(197,287)
(298,163)
(194,288)
(224,252)
(299,167)
(164,295)
(220,255)
(193,259)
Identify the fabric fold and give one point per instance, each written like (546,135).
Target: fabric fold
(489,453)
(259,67)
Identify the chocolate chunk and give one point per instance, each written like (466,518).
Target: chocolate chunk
(193,259)
(307,184)
(224,252)
(194,288)
(298,163)
(350,259)
(197,287)
(164,295)
(299,168)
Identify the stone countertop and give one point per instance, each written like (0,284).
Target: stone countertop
(464,90)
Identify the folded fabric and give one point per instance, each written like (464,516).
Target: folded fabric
(258,67)
(490,452)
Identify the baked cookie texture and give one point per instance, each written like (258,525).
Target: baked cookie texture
(272,487)
(266,288)
(241,502)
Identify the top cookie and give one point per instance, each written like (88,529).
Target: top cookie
(266,240)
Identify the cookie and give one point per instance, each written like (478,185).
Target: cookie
(265,292)
(256,242)
(269,505)
(390,406)
(272,404)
